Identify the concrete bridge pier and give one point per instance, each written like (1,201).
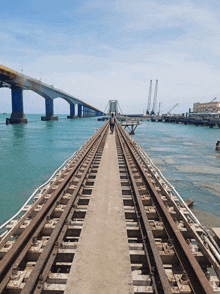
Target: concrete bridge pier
(85,111)
(72,111)
(17,115)
(90,111)
(49,111)
(79,110)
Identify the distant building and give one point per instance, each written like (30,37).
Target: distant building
(207,108)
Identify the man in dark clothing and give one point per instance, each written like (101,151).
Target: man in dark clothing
(112,121)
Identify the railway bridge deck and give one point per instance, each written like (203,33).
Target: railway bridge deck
(108,223)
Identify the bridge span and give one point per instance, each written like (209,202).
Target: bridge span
(108,222)
(18,82)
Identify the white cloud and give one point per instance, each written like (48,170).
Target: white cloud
(116,48)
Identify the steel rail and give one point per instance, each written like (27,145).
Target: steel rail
(156,269)
(45,256)
(197,278)
(194,218)
(14,256)
(42,278)
(48,265)
(35,204)
(9,234)
(27,246)
(63,165)
(23,251)
(212,255)
(22,254)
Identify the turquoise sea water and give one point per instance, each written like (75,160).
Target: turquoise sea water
(29,154)
(186,156)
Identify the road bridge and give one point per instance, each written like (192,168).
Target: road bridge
(18,82)
(108,222)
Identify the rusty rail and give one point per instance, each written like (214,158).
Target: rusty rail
(12,259)
(79,173)
(187,260)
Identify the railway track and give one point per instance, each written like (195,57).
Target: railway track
(170,252)
(37,252)
(175,254)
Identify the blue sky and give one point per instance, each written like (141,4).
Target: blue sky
(102,50)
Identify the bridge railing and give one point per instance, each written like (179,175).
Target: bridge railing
(7,71)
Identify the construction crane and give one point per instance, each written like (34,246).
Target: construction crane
(155,99)
(149,98)
(172,108)
(213,99)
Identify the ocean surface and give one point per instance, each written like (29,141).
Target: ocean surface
(29,154)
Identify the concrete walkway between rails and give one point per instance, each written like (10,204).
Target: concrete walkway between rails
(102,262)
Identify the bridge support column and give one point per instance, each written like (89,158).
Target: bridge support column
(49,111)
(72,111)
(91,112)
(17,115)
(85,110)
(79,110)
(88,111)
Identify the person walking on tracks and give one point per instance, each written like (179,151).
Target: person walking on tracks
(112,121)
